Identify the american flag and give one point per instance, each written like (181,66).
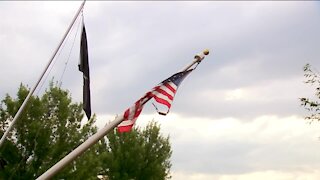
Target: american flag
(162,94)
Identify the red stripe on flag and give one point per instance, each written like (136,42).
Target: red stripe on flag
(126,114)
(164,93)
(170,87)
(137,113)
(125,128)
(162,101)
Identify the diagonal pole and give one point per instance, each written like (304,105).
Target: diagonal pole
(102,132)
(25,102)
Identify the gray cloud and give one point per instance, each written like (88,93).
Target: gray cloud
(133,46)
(232,157)
(248,47)
(234,147)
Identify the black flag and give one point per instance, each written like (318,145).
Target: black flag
(84,67)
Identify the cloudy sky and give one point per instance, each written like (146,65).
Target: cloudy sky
(236,117)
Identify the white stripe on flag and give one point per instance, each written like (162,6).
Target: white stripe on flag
(126,123)
(164,97)
(173,86)
(167,90)
(132,111)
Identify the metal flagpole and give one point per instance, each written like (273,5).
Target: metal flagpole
(36,85)
(80,149)
(102,132)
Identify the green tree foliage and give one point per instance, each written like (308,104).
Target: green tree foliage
(49,128)
(140,154)
(313,106)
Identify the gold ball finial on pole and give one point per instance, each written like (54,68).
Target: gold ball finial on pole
(206,51)
(199,57)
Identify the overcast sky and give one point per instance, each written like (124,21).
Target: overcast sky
(236,117)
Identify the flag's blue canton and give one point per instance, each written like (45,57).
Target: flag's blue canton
(177,78)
